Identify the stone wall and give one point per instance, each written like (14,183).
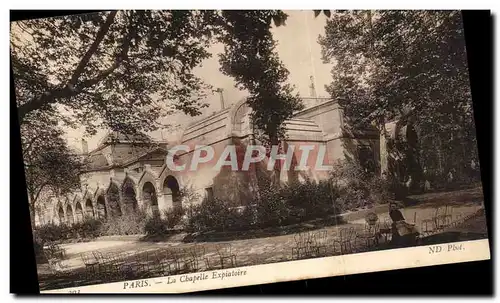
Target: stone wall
(149,180)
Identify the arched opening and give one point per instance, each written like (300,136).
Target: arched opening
(172,192)
(89,209)
(69,215)
(114,201)
(129,197)
(79,212)
(150,199)
(101,208)
(61,215)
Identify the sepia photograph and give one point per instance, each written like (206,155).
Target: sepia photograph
(181,150)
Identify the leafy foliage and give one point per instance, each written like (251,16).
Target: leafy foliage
(155,226)
(50,233)
(132,223)
(312,198)
(355,188)
(273,208)
(211,214)
(87,229)
(49,165)
(99,66)
(251,59)
(89,70)
(276,207)
(173,216)
(411,66)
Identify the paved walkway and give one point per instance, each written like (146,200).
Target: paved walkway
(248,251)
(416,214)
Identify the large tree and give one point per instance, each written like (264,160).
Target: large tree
(250,58)
(122,70)
(50,167)
(99,66)
(406,65)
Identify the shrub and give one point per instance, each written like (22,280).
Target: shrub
(241,218)
(371,218)
(275,206)
(357,188)
(90,228)
(380,190)
(192,224)
(127,224)
(155,226)
(50,233)
(160,225)
(310,199)
(460,178)
(211,214)
(272,208)
(173,217)
(76,230)
(247,217)
(216,214)
(396,188)
(348,189)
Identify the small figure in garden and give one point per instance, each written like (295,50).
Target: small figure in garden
(409,182)
(371,218)
(403,233)
(450,177)
(373,228)
(427,185)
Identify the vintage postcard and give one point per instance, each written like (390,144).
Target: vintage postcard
(178,151)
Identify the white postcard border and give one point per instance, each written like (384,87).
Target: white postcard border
(410,257)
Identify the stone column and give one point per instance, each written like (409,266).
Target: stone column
(168,199)
(163,202)
(383,154)
(390,132)
(142,204)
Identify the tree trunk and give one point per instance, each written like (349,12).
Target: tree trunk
(276,172)
(254,175)
(32,212)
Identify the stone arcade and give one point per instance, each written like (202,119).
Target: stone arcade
(124,174)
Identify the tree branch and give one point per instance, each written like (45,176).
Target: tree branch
(33,194)
(122,56)
(69,89)
(35,138)
(39,191)
(92,49)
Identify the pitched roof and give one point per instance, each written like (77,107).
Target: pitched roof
(118,137)
(98,161)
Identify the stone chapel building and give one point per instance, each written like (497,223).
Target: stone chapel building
(124,174)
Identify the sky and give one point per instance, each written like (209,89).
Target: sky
(299,51)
